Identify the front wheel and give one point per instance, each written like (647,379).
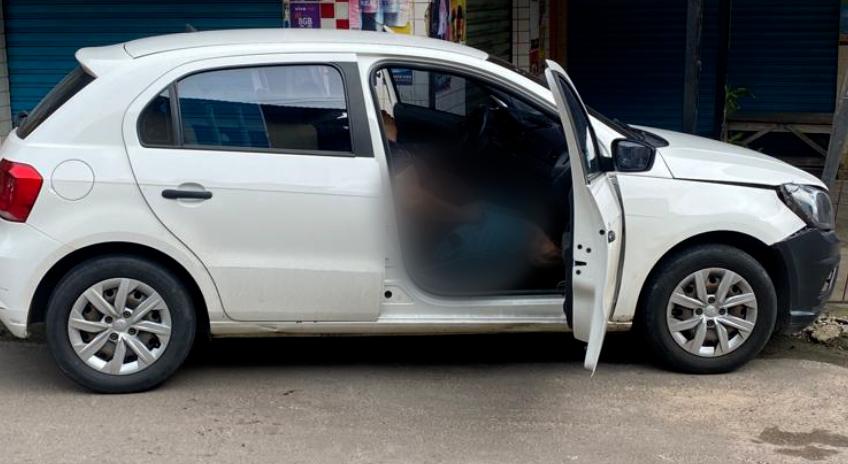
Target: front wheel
(709,309)
(120,324)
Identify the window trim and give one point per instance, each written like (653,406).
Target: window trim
(360,136)
(466,72)
(171,89)
(591,172)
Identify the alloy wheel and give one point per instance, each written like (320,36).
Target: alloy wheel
(712,312)
(119,326)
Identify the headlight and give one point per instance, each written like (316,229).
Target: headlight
(811,204)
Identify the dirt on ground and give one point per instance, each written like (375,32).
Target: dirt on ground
(829,331)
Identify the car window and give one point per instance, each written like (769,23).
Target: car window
(585,134)
(437,91)
(156,125)
(292,107)
(69,86)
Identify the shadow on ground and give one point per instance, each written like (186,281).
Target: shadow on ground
(620,348)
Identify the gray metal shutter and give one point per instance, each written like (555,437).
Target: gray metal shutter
(43,35)
(490,26)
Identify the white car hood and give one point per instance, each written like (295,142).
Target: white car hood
(699,158)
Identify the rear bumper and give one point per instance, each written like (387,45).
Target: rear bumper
(26,255)
(811,257)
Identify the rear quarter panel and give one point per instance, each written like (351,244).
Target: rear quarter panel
(88,128)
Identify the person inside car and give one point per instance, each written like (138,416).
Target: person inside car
(474,228)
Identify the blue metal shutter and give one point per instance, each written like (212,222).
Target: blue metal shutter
(626,58)
(785,52)
(43,35)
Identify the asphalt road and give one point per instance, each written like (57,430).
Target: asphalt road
(480,399)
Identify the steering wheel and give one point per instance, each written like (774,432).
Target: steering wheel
(475,138)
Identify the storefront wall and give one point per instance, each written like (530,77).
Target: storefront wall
(628,60)
(43,35)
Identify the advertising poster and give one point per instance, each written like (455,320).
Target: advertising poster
(377,15)
(402,76)
(457,20)
(305,15)
(446,20)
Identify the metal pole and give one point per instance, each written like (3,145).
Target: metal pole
(838,136)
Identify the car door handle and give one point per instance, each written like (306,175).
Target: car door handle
(176,194)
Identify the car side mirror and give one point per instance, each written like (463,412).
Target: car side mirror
(632,155)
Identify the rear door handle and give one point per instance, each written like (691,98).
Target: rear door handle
(176,194)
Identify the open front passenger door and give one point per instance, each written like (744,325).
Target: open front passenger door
(598,222)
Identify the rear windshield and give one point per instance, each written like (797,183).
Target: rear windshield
(75,81)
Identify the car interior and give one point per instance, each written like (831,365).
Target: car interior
(497,159)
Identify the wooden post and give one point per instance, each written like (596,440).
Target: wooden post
(838,136)
(724,21)
(692,63)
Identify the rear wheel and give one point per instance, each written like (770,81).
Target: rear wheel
(709,310)
(120,324)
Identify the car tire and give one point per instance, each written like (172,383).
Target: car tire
(660,316)
(153,337)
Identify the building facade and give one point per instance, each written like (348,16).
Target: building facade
(627,58)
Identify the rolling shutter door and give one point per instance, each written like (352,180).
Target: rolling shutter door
(785,52)
(490,27)
(43,35)
(626,58)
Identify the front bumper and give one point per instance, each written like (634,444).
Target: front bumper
(811,257)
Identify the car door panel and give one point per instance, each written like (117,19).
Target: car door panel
(285,236)
(598,223)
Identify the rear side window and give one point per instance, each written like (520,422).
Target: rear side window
(69,86)
(280,108)
(156,125)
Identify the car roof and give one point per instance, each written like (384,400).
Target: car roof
(190,40)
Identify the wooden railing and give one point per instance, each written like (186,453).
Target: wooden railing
(758,124)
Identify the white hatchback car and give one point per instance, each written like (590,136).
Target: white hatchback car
(279,182)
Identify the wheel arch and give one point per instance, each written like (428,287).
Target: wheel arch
(38,306)
(768,257)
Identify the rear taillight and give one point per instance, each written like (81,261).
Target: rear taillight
(19,188)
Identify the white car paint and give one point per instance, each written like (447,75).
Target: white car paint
(306,235)
(699,158)
(682,196)
(599,225)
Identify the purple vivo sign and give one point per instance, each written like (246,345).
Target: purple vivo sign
(305,15)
